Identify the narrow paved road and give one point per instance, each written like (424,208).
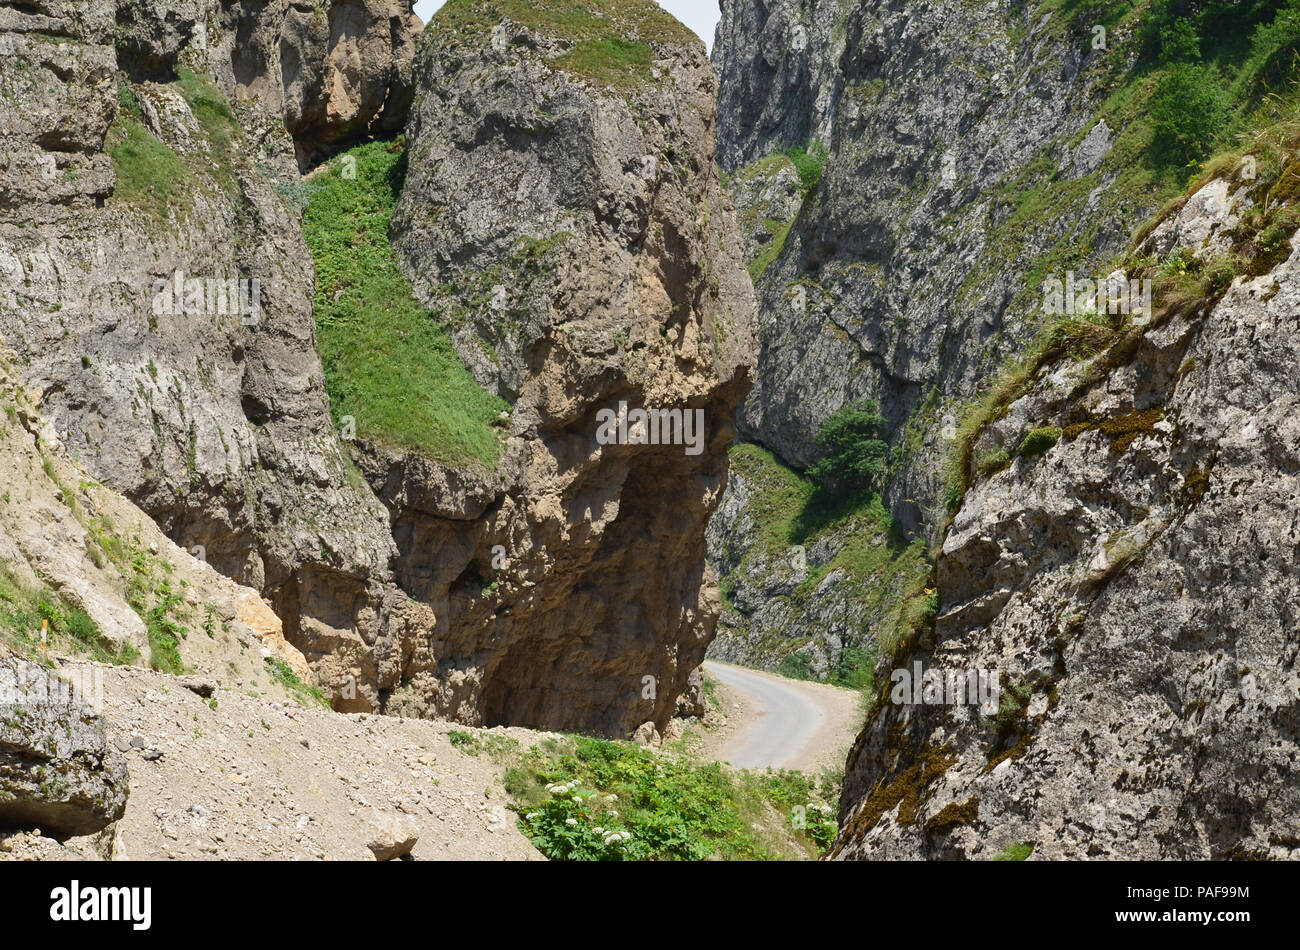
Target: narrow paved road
(787,719)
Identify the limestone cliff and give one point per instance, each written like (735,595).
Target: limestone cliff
(1064,465)
(970,147)
(155,282)
(1131,579)
(563,213)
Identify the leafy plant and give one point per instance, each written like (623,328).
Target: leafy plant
(591,799)
(282,673)
(1015,852)
(856,457)
(810,161)
(1189,109)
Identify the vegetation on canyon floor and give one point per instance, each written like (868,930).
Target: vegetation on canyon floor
(583,798)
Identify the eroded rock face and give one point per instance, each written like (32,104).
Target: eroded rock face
(579,237)
(1134,586)
(211,416)
(905,278)
(56,110)
(57,771)
(215,420)
(208,412)
(776,61)
(327,74)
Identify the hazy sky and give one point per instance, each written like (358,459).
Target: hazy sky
(700,15)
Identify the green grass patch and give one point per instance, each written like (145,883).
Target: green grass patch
(594,800)
(306,694)
(150,175)
(388,363)
(612,40)
(23,611)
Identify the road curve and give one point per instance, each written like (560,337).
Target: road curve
(786,722)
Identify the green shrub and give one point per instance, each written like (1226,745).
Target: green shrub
(855,669)
(810,161)
(1188,110)
(855,458)
(463,741)
(1039,441)
(590,799)
(797,666)
(1179,41)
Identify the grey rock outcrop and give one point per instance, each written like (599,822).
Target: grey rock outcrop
(182,132)
(325,75)
(809,609)
(1133,587)
(207,411)
(57,771)
(906,277)
(777,63)
(572,229)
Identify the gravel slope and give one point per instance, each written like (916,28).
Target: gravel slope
(264,778)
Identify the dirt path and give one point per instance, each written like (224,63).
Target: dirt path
(775,722)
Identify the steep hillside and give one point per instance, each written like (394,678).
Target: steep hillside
(974,151)
(949,180)
(1061,459)
(1131,578)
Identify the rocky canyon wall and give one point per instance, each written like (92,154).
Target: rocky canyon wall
(155,283)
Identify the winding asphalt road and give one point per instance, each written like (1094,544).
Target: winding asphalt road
(787,720)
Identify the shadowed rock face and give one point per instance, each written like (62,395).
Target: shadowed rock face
(902,279)
(778,71)
(1135,589)
(327,74)
(57,771)
(217,426)
(580,234)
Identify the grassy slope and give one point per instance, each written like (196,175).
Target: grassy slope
(880,571)
(1139,172)
(611,38)
(388,363)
